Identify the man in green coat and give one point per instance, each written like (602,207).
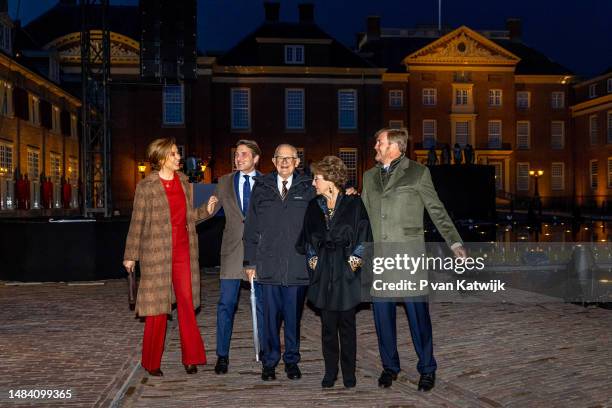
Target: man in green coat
(395,193)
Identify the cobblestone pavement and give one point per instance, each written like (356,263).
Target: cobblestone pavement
(83,338)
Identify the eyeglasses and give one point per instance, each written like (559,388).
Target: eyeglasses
(285,159)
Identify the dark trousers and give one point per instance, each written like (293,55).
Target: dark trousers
(226,310)
(335,323)
(420,330)
(282,304)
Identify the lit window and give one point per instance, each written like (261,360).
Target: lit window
(34,109)
(55,119)
(6,158)
(56,167)
(173,105)
(461,96)
(33,164)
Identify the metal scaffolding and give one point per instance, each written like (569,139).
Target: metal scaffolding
(96,134)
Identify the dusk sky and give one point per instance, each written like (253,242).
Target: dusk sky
(576,34)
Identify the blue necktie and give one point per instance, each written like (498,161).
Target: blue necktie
(246,194)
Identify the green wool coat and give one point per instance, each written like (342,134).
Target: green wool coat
(149,241)
(396,210)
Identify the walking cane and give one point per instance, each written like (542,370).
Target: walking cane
(254,315)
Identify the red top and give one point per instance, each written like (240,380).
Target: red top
(178,211)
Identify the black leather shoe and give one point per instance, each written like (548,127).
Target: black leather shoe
(427,381)
(350,382)
(293,371)
(386,378)
(191,368)
(221,366)
(268,374)
(156,373)
(328,380)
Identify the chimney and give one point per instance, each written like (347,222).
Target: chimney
(306,12)
(272,11)
(514,27)
(373,28)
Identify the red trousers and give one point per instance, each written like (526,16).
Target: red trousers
(192,346)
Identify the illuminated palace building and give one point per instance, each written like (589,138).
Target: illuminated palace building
(291,82)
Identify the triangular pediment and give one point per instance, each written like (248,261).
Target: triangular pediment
(462,46)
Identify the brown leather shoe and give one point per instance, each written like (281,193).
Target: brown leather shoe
(191,368)
(156,373)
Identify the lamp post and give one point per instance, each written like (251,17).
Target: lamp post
(142,167)
(536,174)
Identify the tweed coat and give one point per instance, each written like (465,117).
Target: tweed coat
(149,241)
(232,245)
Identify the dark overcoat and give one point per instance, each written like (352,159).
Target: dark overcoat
(333,284)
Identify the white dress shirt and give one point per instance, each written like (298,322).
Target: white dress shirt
(279,183)
(241,181)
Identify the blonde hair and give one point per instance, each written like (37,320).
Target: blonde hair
(158,150)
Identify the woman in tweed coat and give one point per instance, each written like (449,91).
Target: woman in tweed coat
(162,237)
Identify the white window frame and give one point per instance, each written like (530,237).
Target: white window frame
(557,181)
(557,100)
(554,137)
(527,136)
(593,130)
(468,134)
(430,96)
(73,170)
(6,99)
(353,109)
(462,97)
(7,161)
(432,135)
(33,156)
(292,57)
(171,100)
(593,174)
(34,109)
(593,91)
(396,124)
(522,180)
(523,96)
(235,109)
(491,136)
(291,107)
(55,167)
(495,98)
(348,156)
(396,98)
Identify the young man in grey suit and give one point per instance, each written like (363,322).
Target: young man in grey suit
(395,193)
(233,193)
